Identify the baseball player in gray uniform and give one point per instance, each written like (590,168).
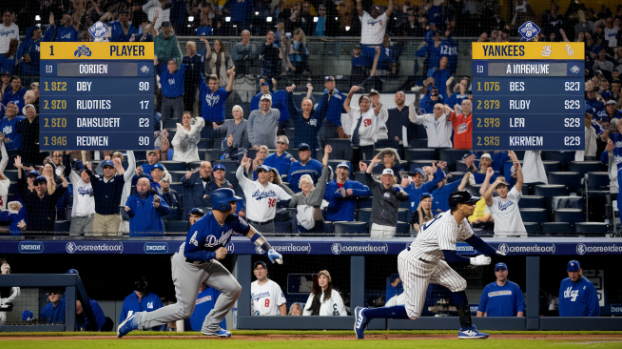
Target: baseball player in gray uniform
(422,262)
(197,262)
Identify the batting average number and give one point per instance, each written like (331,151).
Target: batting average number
(489,122)
(55,122)
(488,141)
(489,104)
(55,104)
(56,140)
(489,86)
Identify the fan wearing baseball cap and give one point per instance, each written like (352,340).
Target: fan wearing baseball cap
(504,208)
(341,194)
(577,294)
(218,181)
(502,297)
(386,197)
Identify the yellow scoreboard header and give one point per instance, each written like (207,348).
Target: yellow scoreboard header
(529,50)
(97,50)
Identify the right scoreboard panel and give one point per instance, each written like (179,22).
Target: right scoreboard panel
(528,96)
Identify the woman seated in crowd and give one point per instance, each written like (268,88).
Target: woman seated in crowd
(424,212)
(324,300)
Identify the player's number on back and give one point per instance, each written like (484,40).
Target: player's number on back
(143,86)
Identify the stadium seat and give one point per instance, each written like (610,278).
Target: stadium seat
(351,228)
(421,132)
(598,180)
(61,227)
(419,142)
(171,123)
(403,229)
(176,176)
(230,165)
(231,177)
(194,165)
(563,157)
(342,148)
(171,133)
(387,143)
(474,189)
(556,228)
(140,155)
(532,201)
(533,228)
(402,214)
(584,167)
(174,165)
(451,156)
(329,227)
(570,180)
(176,226)
(549,190)
(570,215)
(591,228)
(537,215)
(418,164)
(559,202)
(420,154)
(213,154)
(596,202)
(203,144)
(550,166)
(364,215)
(363,202)
(178,187)
(11,174)
(360,177)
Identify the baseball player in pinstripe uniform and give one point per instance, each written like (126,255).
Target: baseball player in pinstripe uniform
(422,262)
(196,262)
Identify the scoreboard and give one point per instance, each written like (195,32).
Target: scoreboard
(528,96)
(96,96)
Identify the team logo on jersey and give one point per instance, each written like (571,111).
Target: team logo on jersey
(335,248)
(569,50)
(528,30)
(212,100)
(581,249)
(171,81)
(546,51)
(462,128)
(504,248)
(82,51)
(313,122)
(98,30)
(258,195)
(569,293)
(503,207)
(149,305)
(8,129)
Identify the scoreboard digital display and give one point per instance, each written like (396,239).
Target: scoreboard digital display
(96,96)
(528,96)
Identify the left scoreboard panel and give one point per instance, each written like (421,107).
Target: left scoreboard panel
(96,96)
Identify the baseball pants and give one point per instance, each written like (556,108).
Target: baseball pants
(416,272)
(172,108)
(187,278)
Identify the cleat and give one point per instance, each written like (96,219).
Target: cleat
(219,333)
(360,322)
(471,333)
(127,326)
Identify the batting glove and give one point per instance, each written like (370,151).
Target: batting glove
(278,258)
(480,260)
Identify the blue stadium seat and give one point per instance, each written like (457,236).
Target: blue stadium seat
(230,165)
(532,201)
(329,227)
(455,175)
(473,189)
(591,228)
(141,155)
(194,165)
(570,215)
(178,187)
(451,156)
(533,228)
(176,226)
(402,214)
(420,154)
(387,143)
(598,180)
(203,144)
(549,190)
(557,228)
(559,202)
(231,177)
(171,133)
(342,148)
(537,215)
(177,175)
(584,167)
(570,180)
(403,229)
(550,166)
(61,227)
(563,157)
(351,228)
(364,215)
(174,165)
(419,142)
(213,154)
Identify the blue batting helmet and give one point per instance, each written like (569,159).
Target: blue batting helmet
(221,199)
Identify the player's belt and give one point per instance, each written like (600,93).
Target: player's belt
(260,223)
(192,261)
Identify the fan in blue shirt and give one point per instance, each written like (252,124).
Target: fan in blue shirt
(306,165)
(65,33)
(213,103)
(140,300)
(441,194)
(577,295)
(341,195)
(281,160)
(54,312)
(120,26)
(416,189)
(502,297)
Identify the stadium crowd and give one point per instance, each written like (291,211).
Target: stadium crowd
(201,145)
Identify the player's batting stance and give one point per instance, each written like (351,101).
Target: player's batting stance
(422,263)
(197,262)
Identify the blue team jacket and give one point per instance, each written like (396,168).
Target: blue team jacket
(578,298)
(281,163)
(414,194)
(296,170)
(506,300)
(145,219)
(99,317)
(148,303)
(54,315)
(331,109)
(340,208)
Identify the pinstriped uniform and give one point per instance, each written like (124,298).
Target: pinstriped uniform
(422,262)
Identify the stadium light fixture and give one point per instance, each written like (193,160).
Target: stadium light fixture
(315,19)
(191,19)
(269,19)
(227,19)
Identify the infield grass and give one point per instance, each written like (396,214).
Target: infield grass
(304,344)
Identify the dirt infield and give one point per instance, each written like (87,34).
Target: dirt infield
(279,337)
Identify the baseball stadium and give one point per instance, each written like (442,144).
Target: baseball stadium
(341,173)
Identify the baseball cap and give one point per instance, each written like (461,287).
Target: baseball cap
(358,46)
(27,315)
(40,179)
(500,266)
(344,164)
(425,195)
(263,167)
(34,173)
(173,59)
(260,263)
(387,171)
(72,271)
(503,182)
(157,166)
(5,73)
(152,151)
(418,170)
(611,101)
(267,96)
(218,167)
(198,212)
(462,197)
(303,146)
(329,78)
(486,155)
(107,163)
(166,24)
(34,84)
(466,155)
(574,265)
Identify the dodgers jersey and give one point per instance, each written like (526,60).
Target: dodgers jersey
(372,30)
(266,298)
(440,234)
(207,235)
(260,200)
(578,298)
(507,215)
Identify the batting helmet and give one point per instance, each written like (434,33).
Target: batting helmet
(461,197)
(221,199)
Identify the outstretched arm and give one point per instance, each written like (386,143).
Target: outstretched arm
(259,240)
